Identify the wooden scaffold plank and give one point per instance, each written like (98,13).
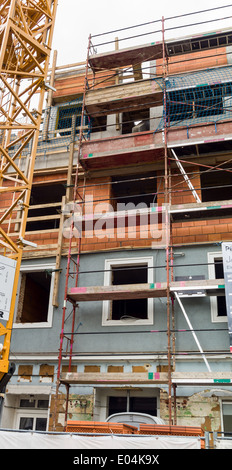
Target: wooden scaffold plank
(148,290)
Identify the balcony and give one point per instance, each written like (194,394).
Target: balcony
(124,57)
(141,147)
(118,98)
(127,149)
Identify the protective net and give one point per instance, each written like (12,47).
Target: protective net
(204,96)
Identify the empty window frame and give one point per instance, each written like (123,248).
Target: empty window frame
(128,311)
(47,200)
(130,403)
(34,298)
(129,308)
(136,121)
(216,184)
(218,304)
(98,124)
(133,190)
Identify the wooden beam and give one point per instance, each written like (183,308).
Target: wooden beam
(114,378)
(55,302)
(129,56)
(203,206)
(202,378)
(137,69)
(132,95)
(141,291)
(152,378)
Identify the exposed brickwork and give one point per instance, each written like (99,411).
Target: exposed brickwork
(194,61)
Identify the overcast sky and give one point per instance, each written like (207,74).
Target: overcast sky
(77,19)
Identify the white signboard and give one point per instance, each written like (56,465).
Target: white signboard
(7,274)
(227,266)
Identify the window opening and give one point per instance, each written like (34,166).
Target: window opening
(218,303)
(65,117)
(196,45)
(221,300)
(204,44)
(27,403)
(216,185)
(187,47)
(133,189)
(32,414)
(32,423)
(117,405)
(45,194)
(33,403)
(178,49)
(34,295)
(98,124)
(128,271)
(43,404)
(146,405)
(126,308)
(227,417)
(131,119)
(26,423)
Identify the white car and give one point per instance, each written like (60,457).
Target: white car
(134,419)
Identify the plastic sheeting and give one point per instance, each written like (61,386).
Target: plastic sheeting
(223,444)
(32,440)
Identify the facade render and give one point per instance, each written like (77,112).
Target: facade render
(121,305)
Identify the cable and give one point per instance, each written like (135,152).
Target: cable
(129,37)
(163,353)
(128,27)
(181,330)
(124,268)
(154,193)
(155,75)
(197,24)
(198,12)
(157,21)
(153,177)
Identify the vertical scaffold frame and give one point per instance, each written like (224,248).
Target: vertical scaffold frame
(70,260)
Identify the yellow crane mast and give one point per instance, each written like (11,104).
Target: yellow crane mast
(26,30)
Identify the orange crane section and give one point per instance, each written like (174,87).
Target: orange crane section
(26,31)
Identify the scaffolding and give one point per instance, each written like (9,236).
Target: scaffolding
(199,96)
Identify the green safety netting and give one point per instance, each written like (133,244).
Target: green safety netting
(204,96)
(60,126)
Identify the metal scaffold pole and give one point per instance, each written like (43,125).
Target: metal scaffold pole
(167,226)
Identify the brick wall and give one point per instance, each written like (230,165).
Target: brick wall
(194,61)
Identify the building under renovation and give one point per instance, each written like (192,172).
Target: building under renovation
(121,300)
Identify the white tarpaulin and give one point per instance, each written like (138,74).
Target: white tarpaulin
(223,444)
(32,440)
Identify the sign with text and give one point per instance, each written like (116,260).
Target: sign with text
(227,266)
(7,275)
